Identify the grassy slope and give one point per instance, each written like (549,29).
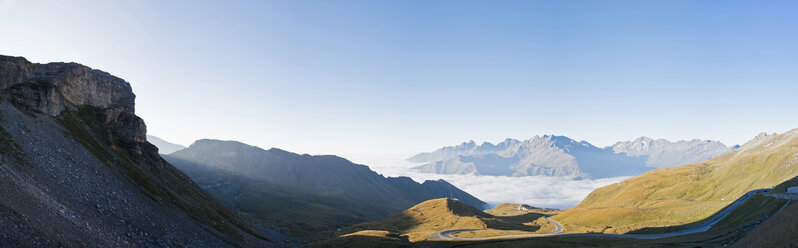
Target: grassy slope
(778,231)
(513,213)
(430,217)
(438,215)
(683,194)
(661,196)
(775,231)
(366,238)
(313,205)
(511,209)
(303,214)
(722,234)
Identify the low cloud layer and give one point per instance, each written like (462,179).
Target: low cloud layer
(538,191)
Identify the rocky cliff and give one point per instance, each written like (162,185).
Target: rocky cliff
(56,87)
(79,171)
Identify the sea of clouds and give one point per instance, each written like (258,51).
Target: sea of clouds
(538,191)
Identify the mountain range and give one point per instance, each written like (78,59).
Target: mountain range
(311,191)
(551,155)
(744,194)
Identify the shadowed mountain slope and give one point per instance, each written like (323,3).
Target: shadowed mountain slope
(77,170)
(313,191)
(777,231)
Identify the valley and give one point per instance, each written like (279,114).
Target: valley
(664,206)
(398,123)
(74,154)
(307,194)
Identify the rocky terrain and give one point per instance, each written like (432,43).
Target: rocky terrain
(310,191)
(551,155)
(77,171)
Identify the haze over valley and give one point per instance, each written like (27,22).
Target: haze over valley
(398,123)
(551,191)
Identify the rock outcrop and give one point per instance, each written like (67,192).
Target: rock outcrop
(54,88)
(78,171)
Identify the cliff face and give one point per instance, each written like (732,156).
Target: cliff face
(54,88)
(78,126)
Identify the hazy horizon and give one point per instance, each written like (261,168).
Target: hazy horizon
(359,79)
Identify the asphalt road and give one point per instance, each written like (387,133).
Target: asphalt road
(447,235)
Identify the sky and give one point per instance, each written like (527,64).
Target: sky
(365,78)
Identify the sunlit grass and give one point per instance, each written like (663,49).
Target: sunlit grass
(682,194)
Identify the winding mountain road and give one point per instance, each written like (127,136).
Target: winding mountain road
(447,235)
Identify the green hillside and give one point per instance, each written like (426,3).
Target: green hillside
(687,193)
(439,215)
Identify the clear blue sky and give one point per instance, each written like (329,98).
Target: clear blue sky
(376,77)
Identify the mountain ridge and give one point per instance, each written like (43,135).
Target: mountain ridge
(688,193)
(552,155)
(164,147)
(241,173)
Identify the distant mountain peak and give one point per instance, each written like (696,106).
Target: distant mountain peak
(558,155)
(704,187)
(164,147)
(765,141)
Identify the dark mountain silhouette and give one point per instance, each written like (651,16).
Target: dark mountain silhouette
(316,191)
